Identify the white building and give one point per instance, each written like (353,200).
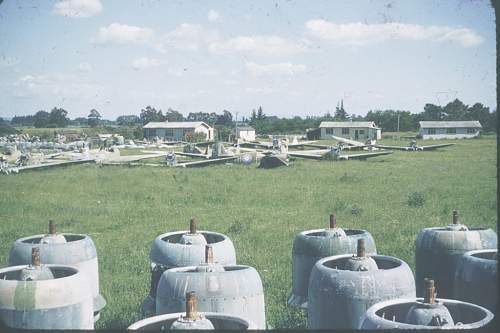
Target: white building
(175,131)
(354,130)
(449,129)
(246,133)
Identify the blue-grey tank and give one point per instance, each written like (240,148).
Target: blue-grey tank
(476,278)
(184,248)
(233,290)
(76,250)
(343,287)
(439,249)
(311,245)
(219,321)
(416,314)
(45,297)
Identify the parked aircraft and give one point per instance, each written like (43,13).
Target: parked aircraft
(415,147)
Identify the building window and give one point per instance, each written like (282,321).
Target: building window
(329,131)
(431,131)
(471,131)
(361,132)
(345,131)
(451,131)
(169,132)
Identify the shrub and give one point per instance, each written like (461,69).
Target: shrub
(416,199)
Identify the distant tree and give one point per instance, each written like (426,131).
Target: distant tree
(225,119)
(340,113)
(23,120)
(41,119)
(173,115)
(80,121)
(260,114)
(433,112)
(253,117)
(93,118)
(5,128)
(58,118)
(151,114)
(128,120)
(455,110)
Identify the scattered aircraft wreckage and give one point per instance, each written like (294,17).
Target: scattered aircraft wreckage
(415,147)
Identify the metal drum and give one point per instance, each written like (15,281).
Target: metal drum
(39,296)
(230,289)
(425,313)
(343,287)
(311,245)
(439,249)
(476,278)
(63,249)
(184,248)
(192,320)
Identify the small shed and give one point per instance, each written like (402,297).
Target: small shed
(246,133)
(174,131)
(354,130)
(449,129)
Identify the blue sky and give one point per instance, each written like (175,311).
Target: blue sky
(291,57)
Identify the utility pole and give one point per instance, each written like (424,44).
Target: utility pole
(236,127)
(398,121)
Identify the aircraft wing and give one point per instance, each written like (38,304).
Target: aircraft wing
(131,158)
(311,156)
(206,162)
(192,155)
(256,144)
(432,147)
(349,142)
(392,147)
(363,156)
(52,164)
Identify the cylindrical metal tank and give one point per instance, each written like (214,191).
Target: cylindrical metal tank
(230,289)
(63,249)
(184,248)
(425,313)
(476,278)
(39,296)
(311,245)
(343,287)
(192,320)
(439,249)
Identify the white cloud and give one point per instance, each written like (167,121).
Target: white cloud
(362,33)
(259,90)
(257,45)
(213,15)
(145,62)
(188,37)
(78,8)
(58,84)
(286,69)
(124,34)
(85,67)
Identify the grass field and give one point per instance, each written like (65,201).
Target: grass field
(124,208)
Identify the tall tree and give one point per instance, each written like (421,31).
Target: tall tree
(151,114)
(455,110)
(41,119)
(260,114)
(340,113)
(173,115)
(129,120)
(58,117)
(93,118)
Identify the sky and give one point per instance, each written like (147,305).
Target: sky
(293,58)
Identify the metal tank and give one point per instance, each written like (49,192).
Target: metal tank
(425,313)
(343,287)
(439,249)
(39,296)
(192,320)
(63,249)
(230,289)
(476,278)
(311,245)
(184,248)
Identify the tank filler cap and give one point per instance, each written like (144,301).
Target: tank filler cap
(209,265)
(456,226)
(360,262)
(192,320)
(193,237)
(334,231)
(52,237)
(35,271)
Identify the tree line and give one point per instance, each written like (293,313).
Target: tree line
(388,120)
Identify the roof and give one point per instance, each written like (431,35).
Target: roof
(345,124)
(450,124)
(246,128)
(175,124)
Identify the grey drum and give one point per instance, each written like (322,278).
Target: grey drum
(439,250)
(342,289)
(63,249)
(59,298)
(311,245)
(393,314)
(476,278)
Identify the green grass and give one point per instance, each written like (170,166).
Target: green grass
(123,209)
